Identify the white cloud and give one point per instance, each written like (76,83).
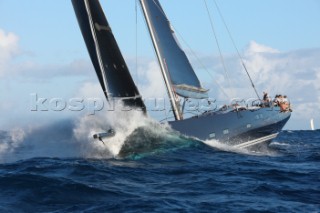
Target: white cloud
(90,90)
(295,73)
(27,68)
(8,44)
(151,81)
(8,50)
(33,70)
(255,47)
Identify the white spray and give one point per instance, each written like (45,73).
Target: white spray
(73,138)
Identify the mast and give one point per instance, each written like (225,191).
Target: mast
(172,95)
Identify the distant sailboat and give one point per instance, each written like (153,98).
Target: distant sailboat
(311,124)
(239,126)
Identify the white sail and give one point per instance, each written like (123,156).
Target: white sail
(174,62)
(312,124)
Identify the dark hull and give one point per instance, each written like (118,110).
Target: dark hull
(235,127)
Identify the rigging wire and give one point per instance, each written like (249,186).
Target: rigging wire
(202,65)
(217,43)
(235,46)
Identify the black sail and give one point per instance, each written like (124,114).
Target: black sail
(109,64)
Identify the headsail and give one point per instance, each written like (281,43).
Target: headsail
(175,62)
(111,69)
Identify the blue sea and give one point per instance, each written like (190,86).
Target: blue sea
(59,168)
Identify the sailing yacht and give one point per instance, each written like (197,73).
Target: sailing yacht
(238,126)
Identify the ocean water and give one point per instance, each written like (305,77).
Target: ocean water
(147,167)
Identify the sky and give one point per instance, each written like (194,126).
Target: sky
(43,55)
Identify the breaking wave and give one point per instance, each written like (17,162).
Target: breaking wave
(136,135)
(263,150)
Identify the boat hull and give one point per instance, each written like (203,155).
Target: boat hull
(235,127)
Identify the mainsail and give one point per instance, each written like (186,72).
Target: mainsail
(111,69)
(174,62)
